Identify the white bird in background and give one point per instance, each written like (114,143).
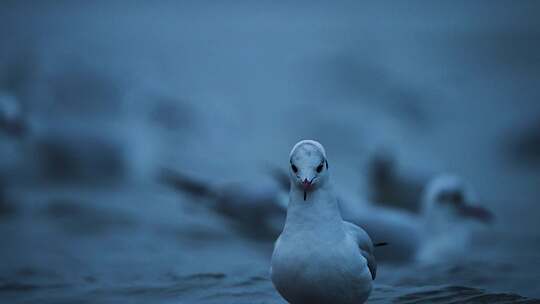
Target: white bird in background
(449,215)
(319,258)
(441,229)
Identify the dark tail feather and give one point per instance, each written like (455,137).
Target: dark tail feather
(380,244)
(184,183)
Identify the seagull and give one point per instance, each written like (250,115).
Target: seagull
(451,215)
(319,257)
(449,194)
(257,211)
(448,217)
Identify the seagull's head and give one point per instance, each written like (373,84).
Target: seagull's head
(449,192)
(308,165)
(446,190)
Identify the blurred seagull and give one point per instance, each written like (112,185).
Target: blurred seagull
(319,258)
(256,210)
(448,194)
(441,229)
(449,215)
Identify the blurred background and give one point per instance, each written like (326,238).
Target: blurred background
(98,99)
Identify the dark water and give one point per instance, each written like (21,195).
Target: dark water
(113,92)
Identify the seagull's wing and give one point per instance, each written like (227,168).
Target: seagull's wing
(181,182)
(364,244)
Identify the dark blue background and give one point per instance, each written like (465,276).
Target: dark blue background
(111,92)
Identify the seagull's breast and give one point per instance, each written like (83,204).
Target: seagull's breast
(308,268)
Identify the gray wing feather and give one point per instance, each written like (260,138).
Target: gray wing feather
(365,245)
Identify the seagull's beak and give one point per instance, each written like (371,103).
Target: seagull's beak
(478,213)
(306,184)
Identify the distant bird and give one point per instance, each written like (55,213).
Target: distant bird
(388,186)
(60,149)
(449,213)
(449,194)
(448,217)
(258,210)
(69,152)
(319,257)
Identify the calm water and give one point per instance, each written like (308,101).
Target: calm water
(114,92)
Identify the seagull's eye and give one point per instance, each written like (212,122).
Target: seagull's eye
(294,169)
(319,168)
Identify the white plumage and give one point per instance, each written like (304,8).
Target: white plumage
(319,258)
